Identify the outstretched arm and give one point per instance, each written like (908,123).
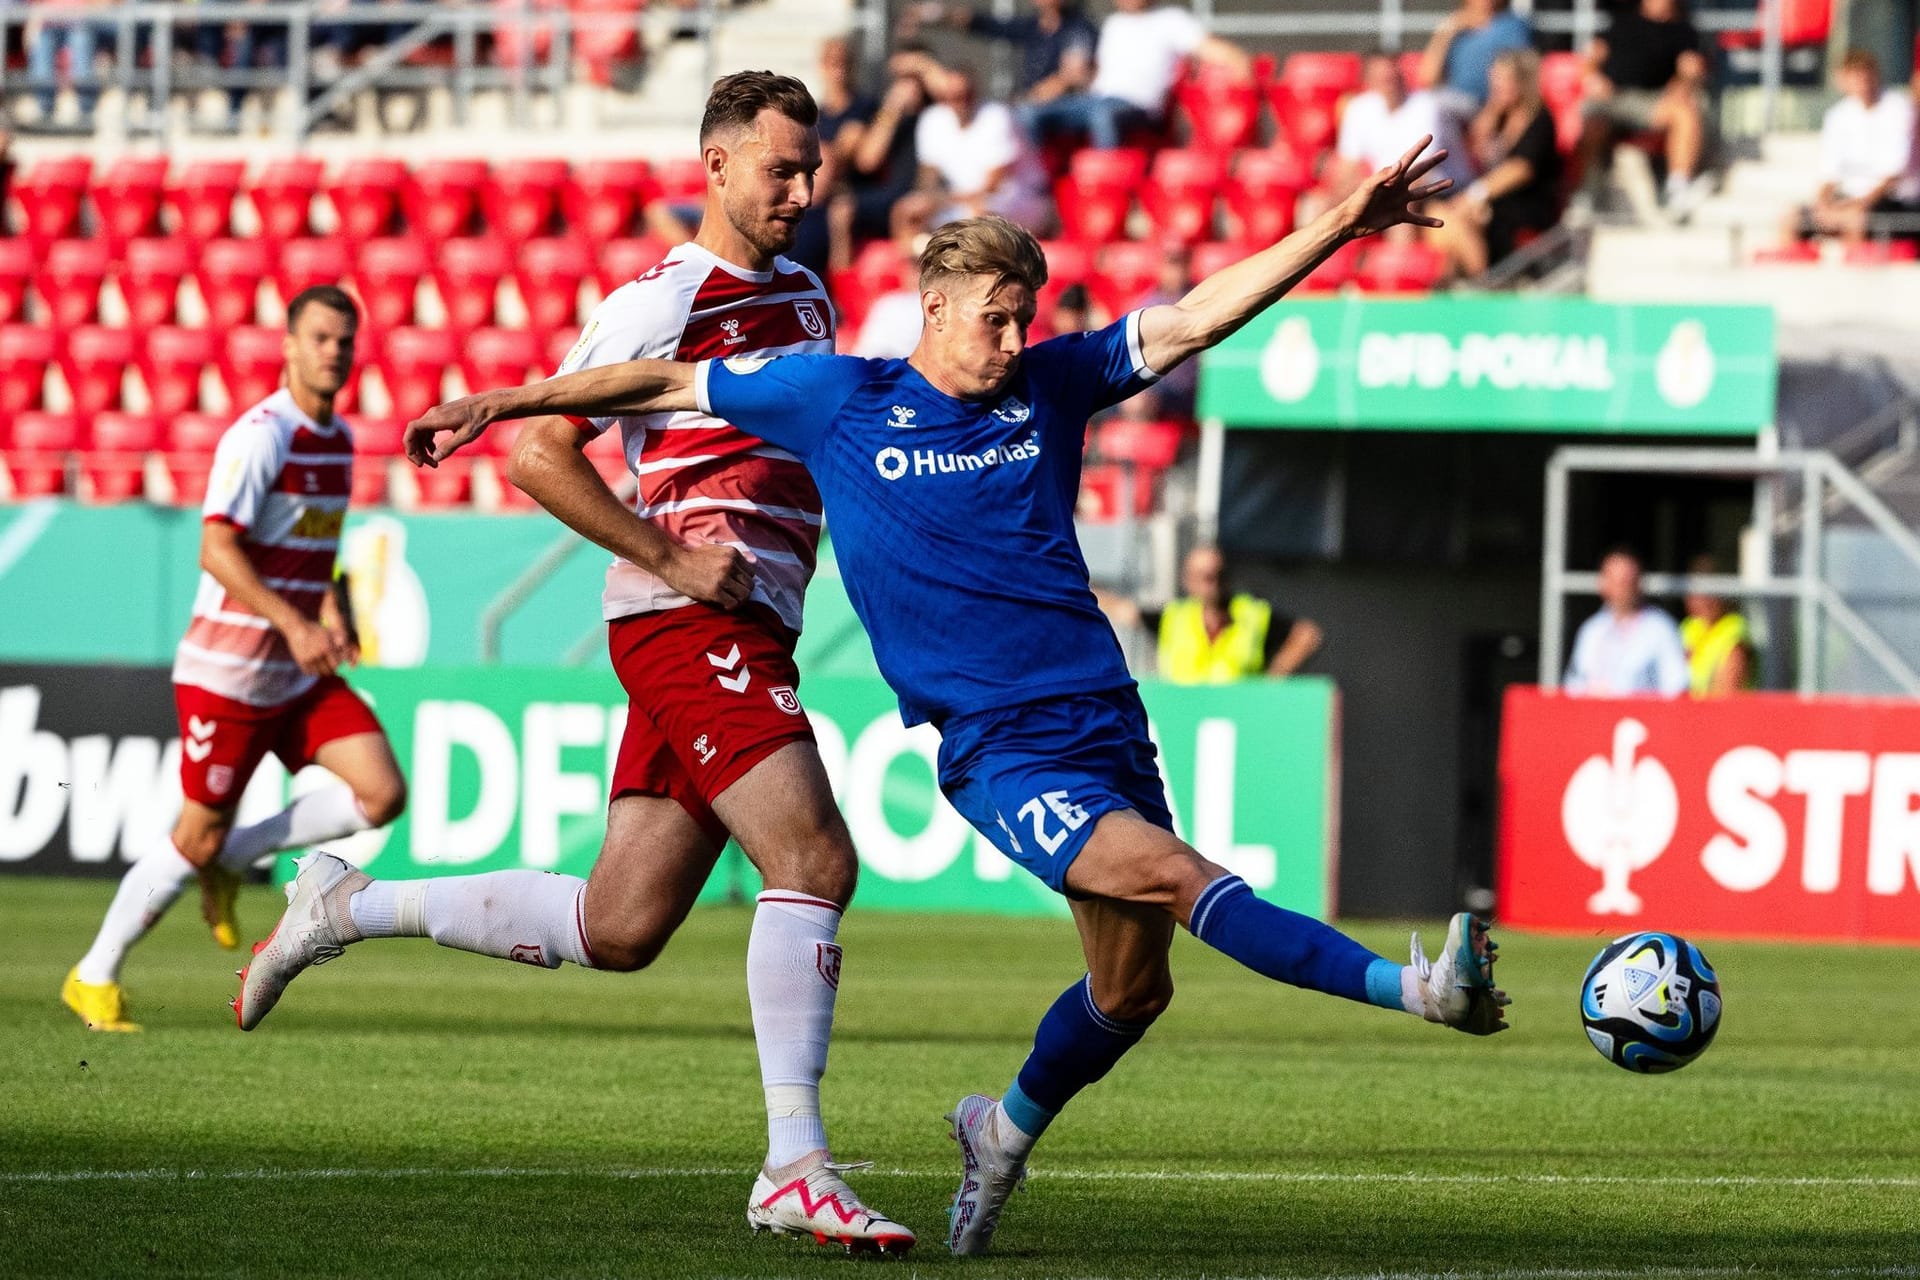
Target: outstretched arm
(635,386)
(1233,295)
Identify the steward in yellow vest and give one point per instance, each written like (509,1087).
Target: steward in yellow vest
(1719,654)
(1190,655)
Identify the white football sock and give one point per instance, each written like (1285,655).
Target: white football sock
(1412,982)
(325,814)
(146,891)
(793,975)
(535,917)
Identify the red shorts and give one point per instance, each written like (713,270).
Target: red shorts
(223,741)
(710,694)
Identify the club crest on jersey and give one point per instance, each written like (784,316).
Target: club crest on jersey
(812,319)
(902,416)
(733,332)
(1012,411)
(219,780)
(785,698)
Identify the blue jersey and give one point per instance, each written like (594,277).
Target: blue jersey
(953,519)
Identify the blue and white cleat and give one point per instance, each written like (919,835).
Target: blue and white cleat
(988,1175)
(316,927)
(1456,987)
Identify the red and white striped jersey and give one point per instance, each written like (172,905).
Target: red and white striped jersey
(283,480)
(700,479)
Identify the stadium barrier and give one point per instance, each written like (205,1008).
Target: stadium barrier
(1767,816)
(509,768)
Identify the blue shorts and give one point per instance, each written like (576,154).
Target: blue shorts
(1035,778)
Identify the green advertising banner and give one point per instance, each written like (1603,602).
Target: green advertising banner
(1497,364)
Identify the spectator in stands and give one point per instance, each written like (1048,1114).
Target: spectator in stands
(1869,156)
(1518,191)
(1377,126)
(243,46)
(1213,636)
(880,163)
(1629,646)
(80,39)
(974,159)
(1720,657)
(1136,62)
(844,113)
(1890,31)
(1646,74)
(1459,56)
(1055,43)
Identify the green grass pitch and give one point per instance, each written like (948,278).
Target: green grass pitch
(409,1111)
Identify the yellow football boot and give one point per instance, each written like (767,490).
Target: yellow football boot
(101,1005)
(219,888)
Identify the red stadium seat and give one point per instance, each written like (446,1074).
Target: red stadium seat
(301,264)
(1336,272)
(1262,191)
(492,358)
(1095,194)
(1179,194)
(413,365)
(380,438)
(201,197)
(1321,75)
(609,33)
(50,193)
(114,465)
(37,451)
(520,196)
(1126,271)
(70,277)
(1103,488)
(250,361)
(388,272)
(624,261)
(448,485)
(1802,22)
(548,272)
(126,198)
(19,263)
(1794,252)
(1068,263)
(514,44)
(1409,267)
(282,196)
(229,275)
(1222,110)
(1150,446)
(1209,258)
(682,180)
(497,442)
(559,343)
(187,473)
(171,361)
(601,198)
(1562,79)
(365,195)
(468,275)
(26,351)
(1307,123)
(94,364)
(442,196)
(150,276)
(194,432)
(1878,253)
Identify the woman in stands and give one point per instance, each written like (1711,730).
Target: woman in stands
(1517,194)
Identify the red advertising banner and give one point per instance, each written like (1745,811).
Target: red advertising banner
(1767,816)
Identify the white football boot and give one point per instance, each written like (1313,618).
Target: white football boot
(809,1198)
(316,926)
(1456,987)
(988,1175)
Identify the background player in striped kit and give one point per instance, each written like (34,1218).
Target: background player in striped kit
(255,671)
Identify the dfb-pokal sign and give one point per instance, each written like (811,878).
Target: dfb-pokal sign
(1768,816)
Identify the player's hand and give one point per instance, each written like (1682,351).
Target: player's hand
(709,573)
(461,421)
(1386,199)
(348,645)
(318,650)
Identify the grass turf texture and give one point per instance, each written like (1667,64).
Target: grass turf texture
(412,1111)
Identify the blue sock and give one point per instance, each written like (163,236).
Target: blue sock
(1289,947)
(1075,1046)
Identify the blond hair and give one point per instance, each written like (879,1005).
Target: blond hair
(984,246)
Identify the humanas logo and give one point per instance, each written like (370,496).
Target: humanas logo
(894,463)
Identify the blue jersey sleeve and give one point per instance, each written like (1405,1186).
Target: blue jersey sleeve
(1099,368)
(789,401)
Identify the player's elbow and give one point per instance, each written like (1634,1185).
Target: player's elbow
(531,460)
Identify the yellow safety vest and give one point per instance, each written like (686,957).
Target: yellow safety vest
(1709,646)
(1188,656)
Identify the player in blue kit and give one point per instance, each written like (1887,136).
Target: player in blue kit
(950,478)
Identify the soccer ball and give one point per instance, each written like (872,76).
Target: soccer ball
(1650,1002)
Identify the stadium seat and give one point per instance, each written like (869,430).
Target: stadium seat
(1794,252)
(201,197)
(548,272)
(1103,489)
(19,263)
(126,198)
(468,273)
(413,363)
(601,197)
(681,181)
(1802,22)
(448,485)
(70,277)
(229,275)
(365,195)
(171,361)
(37,451)
(282,196)
(114,465)
(1325,75)
(149,279)
(520,196)
(1306,122)
(500,358)
(381,438)
(50,193)
(1222,110)
(26,351)
(1125,271)
(193,432)
(1407,267)
(497,442)
(441,197)
(1180,191)
(608,33)
(1562,79)
(559,343)
(94,363)
(1261,193)
(1337,272)
(250,361)
(1150,446)
(187,473)
(514,44)
(301,264)
(624,261)
(1094,196)
(388,271)
(1209,258)
(1879,253)
(1068,263)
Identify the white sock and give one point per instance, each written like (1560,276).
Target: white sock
(535,917)
(146,891)
(1013,1140)
(1410,998)
(325,814)
(793,975)
(1676,183)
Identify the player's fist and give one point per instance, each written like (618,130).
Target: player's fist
(709,573)
(460,421)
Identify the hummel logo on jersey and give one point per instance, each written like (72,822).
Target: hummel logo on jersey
(1012,411)
(727,662)
(733,331)
(199,740)
(893,463)
(902,416)
(811,318)
(701,749)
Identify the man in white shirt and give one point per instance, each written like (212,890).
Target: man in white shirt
(977,159)
(1136,62)
(1869,157)
(1379,124)
(1630,646)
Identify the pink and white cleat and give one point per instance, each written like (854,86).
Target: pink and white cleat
(809,1198)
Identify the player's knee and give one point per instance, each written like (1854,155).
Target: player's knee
(385,801)
(1142,1001)
(819,862)
(626,951)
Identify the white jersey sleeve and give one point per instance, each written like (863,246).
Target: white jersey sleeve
(246,466)
(641,320)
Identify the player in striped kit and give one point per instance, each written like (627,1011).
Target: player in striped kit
(703,604)
(255,671)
